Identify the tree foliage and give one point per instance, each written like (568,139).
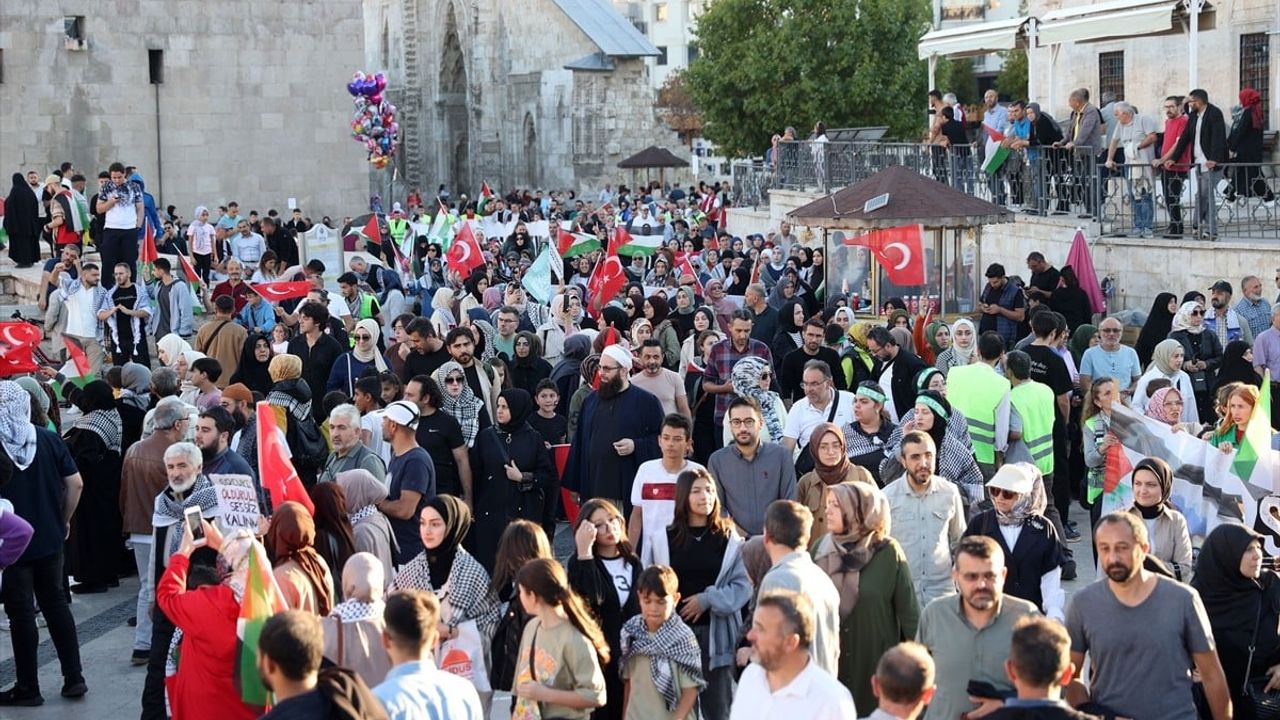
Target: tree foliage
(766,64)
(676,108)
(961,81)
(1012,80)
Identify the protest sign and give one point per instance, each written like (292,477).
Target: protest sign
(238,500)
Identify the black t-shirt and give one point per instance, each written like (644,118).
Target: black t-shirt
(438,434)
(953,131)
(415,471)
(1046,281)
(697,562)
(554,429)
(1049,368)
(417,363)
(37,493)
(792,371)
(300,707)
(125,297)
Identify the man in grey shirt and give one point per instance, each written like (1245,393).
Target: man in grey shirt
(751,473)
(786,536)
(1137,620)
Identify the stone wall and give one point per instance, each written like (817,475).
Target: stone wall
(253,106)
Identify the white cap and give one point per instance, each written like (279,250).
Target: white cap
(1017,477)
(403,412)
(619,355)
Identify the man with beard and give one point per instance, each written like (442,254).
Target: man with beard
(927,517)
(348,452)
(82,297)
(1135,618)
(617,431)
(660,382)
(424,353)
(126,308)
(213,437)
(480,376)
(1223,321)
(751,473)
(187,487)
(969,634)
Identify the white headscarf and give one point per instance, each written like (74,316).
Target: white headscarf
(172,345)
(371,326)
(964,356)
(17,434)
(1182,319)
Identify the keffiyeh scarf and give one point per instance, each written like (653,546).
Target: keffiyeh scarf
(672,646)
(168,511)
(106,424)
(353,610)
(465,407)
(17,434)
(362,514)
(745,379)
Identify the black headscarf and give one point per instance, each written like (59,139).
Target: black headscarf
(786,317)
(520,404)
(615,316)
(940,419)
(249,371)
(1235,368)
(1159,323)
(576,347)
(457,521)
(1164,475)
(660,309)
(21,209)
(97,395)
(472,284)
(1230,599)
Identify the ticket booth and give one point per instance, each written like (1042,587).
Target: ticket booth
(951,238)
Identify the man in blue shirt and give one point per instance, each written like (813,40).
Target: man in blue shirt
(415,687)
(411,476)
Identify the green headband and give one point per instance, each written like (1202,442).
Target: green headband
(933,405)
(867,392)
(925,377)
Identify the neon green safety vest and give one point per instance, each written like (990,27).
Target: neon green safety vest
(1037,406)
(976,391)
(397,227)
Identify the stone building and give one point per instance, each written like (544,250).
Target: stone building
(235,100)
(535,93)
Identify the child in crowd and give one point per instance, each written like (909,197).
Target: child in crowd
(653,493)
(204,376)
(660,653)
(553,426)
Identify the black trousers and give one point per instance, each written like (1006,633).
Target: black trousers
(42,579)
(153,704)
(118,246)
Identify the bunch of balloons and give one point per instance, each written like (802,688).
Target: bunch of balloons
(374,122)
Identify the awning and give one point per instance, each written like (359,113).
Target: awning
(972,39)
(1120,18)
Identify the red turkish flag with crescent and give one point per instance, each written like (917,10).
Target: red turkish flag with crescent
(465,253)
(18,341)
(899,250)
(277,291)
(274,467)
(605,282)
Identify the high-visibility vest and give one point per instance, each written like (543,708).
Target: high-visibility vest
(397,227)
(976,391)
(1037,406)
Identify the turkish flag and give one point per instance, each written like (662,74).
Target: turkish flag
(560,454)
(274,467)
(18,341)
(605,282)
(899,250)
(277,291)
(686,268)
(465,253)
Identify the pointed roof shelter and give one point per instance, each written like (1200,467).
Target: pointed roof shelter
(653,157)
(901,196)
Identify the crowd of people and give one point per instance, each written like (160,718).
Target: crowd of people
(775,507)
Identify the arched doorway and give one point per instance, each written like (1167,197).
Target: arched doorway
(455,152)
(530,151)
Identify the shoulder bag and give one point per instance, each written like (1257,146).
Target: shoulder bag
(1266,706)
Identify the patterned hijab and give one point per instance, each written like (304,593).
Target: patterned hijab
(17,434)
(865,512)
(1155,406)
(465,407)
(1182,320)
(746,383)
(1028,504)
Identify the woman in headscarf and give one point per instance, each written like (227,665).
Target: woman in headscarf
(527,367)
(1084,337)
(335,539)
(171,347)
(566,373)
(41,403)
(719,304)
(391,300)
(878,606)
(751,378)
(206,616)
(791,319)
(590,364)
(515,478)
(22,223)
(955,461)
(831,466)
(1202,354)
(867,437)
(898,319)
(445,568)
(442,315)
(613,315)
(134,401)
(1166,527)
(656,311)
(682,319)
(370,530)
(1165,406)
(1242,599)
(1033,552)
(460,402)
(783,292)
(353,630)
(255,360)
(1159,323)
(94,441)
(937,337)
(641,330)
(290,396)
(474,288)
(739,280)
(1245,144)
(963,349)
(1167,363)
(1070,300)
(555,332)
(353,363)
(702,404)
(301,573)
(1237,366)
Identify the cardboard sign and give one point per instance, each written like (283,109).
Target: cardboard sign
(238,501)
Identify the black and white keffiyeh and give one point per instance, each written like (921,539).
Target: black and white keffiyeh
(957,427)
(106,424)
(363,513)
(672,646)
(466,590)
(353,610)
(465,407)
(168,511)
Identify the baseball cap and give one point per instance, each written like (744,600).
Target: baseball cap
(1222,285)
(403,412)
(1018,477)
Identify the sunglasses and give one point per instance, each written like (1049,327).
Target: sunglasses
(1197,312)
(1002,493)
(362,336)
(453,380)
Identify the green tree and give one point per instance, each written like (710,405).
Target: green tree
(962,82)
(1012,80)
(766,64)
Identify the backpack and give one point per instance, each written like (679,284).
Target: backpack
(308,447)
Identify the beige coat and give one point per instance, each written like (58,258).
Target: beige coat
(812,493)
(1171,542)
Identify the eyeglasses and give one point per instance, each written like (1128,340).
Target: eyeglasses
(1002,493)
(362,336)
(453,380)
(742,422)
(611,522)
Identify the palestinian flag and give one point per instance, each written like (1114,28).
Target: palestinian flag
(4,236)
(572,244)
(371,231)
(1255,461)
(442,228)
(996,153)
(80,215)
(486,197)
(147,254)
(77,368)
(193,279)
(635,243)
(262,599)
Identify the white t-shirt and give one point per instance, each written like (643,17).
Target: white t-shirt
(372,422)
(1133,134)
(803,417)
(621,574)
(654,492)
(200,238)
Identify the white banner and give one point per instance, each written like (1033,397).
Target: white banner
(238,501)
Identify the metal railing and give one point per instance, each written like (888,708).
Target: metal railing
(1129,200)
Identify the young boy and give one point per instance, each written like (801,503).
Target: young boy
(204,374)
(553,426)
(653,494)
(660,653)
(368,400)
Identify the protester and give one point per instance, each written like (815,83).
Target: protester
(521,542)
(335,538)
(786,536)
(659,652)
(1168,363)
(927,516)
(303,577)
(1039,665)
(94,442)
(353,630)
(1166,527)
(415,687)
(289,657)
(831,466)
(370,530)
(751,473)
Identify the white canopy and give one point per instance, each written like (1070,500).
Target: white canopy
(1119,18)
(973,39)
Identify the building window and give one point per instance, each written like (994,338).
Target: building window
(693,53)
(155,66)
(1255,69)
(660,12)
(662,54)
(1111,74)
(73,31)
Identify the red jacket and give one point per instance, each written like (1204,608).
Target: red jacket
(205,684)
